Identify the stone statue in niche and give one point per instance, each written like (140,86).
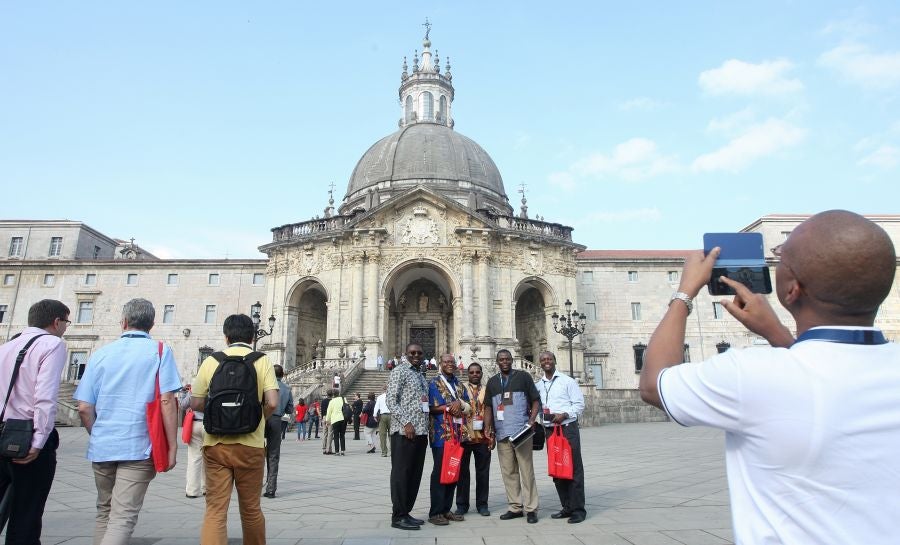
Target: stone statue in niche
(423,303)
(441,301)
(402,301)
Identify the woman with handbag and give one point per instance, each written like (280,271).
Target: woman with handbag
(370,424)
(337,417)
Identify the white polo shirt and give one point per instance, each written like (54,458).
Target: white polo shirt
(812,438)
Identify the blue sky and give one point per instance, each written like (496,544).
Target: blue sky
(196,127)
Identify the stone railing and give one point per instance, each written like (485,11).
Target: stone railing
(307,228)
(490,368)
(321,371)
(529,226)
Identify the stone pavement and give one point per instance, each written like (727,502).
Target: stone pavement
(646,484)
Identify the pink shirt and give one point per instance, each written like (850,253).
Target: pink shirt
(34,396)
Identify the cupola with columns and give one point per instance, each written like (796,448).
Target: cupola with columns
(425,93)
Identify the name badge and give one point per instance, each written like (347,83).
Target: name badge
(457,420)
(500,412)
(478,423)
(507,398)
(425,407)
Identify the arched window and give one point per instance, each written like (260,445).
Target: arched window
(427,106)
(409,108)
(442,109)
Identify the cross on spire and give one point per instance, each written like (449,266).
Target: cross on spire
(427,26)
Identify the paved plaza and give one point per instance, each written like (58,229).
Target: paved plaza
(647,484)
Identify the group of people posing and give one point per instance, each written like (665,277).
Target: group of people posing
(481,417)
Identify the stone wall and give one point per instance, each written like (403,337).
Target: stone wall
(617,407)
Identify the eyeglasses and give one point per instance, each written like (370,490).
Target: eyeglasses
(66,321)
(413,353)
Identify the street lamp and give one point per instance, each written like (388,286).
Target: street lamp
(260,333)
(571,326)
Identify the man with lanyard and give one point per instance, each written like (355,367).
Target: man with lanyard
(478,446)
(813,424)
(32,397)
(407,400)
(562,403)
(449,405)
(273,431)
(514,404)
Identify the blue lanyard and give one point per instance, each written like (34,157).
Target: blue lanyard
(844,336)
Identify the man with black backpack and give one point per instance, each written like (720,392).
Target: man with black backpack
(237,391)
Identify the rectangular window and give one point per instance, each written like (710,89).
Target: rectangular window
(55,246)
(90,279)
(632,276)
(687,353)
(587,277)
(635,311)
(172,279)
(785,235)
(210,317)
(85,312)
(15,247)
(259,279)
(169,314)
(9,279)
(213,279)
(49,279)
(673,276)
(718,311)
(590,311)
(639,356)
(77,360)
(131,279)
(3,310)
(96,252)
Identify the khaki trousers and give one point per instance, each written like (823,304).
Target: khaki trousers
(121,487)
(196,475)
(517,469)
(227,467)
(384,432)
(326,436)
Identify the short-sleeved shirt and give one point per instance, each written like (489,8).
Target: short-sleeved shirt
(119,380)
(519,389)
(443,392)
(265,381)
(812,437)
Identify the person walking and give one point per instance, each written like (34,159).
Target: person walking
(371,425)
(195,474)
(118,382)
(314,417)
(301,418)
(274,431)
(336,419)
(357,413)
(326,426)
(34,359)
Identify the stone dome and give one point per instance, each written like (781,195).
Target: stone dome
(428,153)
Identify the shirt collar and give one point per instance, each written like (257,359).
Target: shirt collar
(240,344)
(135,333)
(556,373)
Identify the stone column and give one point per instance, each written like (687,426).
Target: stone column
(372,289)
(484,298)
(356,298)
(468,306)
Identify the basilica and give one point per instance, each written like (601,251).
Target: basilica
(424,246)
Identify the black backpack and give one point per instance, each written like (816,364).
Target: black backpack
(233,406)
(347,410)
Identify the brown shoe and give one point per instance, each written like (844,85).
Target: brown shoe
(439,520)
(454,517)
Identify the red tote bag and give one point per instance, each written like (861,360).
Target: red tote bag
(559,455)
(187,427)
(451,462)
(159,445)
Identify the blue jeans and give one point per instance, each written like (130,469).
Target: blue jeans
(301,430)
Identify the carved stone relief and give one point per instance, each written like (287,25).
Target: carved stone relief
(418,228)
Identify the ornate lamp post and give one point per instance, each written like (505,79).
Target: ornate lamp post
(260,333)
(571,326)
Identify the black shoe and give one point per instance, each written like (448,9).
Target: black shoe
(561,514)
(413,520)
(532,518)
(575,519)
(403,524)
(461,511)
(371,451)
(511,515)
(483,511)
(189,496)
(269,494)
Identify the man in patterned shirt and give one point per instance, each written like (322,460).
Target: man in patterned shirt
(407,400)
(478,446)
(449,403)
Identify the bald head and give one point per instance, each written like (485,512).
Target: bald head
(844,262)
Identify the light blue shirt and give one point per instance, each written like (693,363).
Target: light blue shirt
(119,380)
(562,395)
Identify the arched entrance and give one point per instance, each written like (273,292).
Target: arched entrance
(420,308)
(307,322)
(532,298)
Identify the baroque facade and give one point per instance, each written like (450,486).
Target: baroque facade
(423,247)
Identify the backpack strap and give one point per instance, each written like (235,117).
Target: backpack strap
(219,356)
(15,374)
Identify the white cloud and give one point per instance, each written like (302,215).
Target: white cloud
(642,104)
(732,123)
(642,215)
(862,66)
(735,77)
(884,156)
(632,160)
(756,142)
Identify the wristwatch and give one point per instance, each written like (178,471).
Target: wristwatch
(685,298)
